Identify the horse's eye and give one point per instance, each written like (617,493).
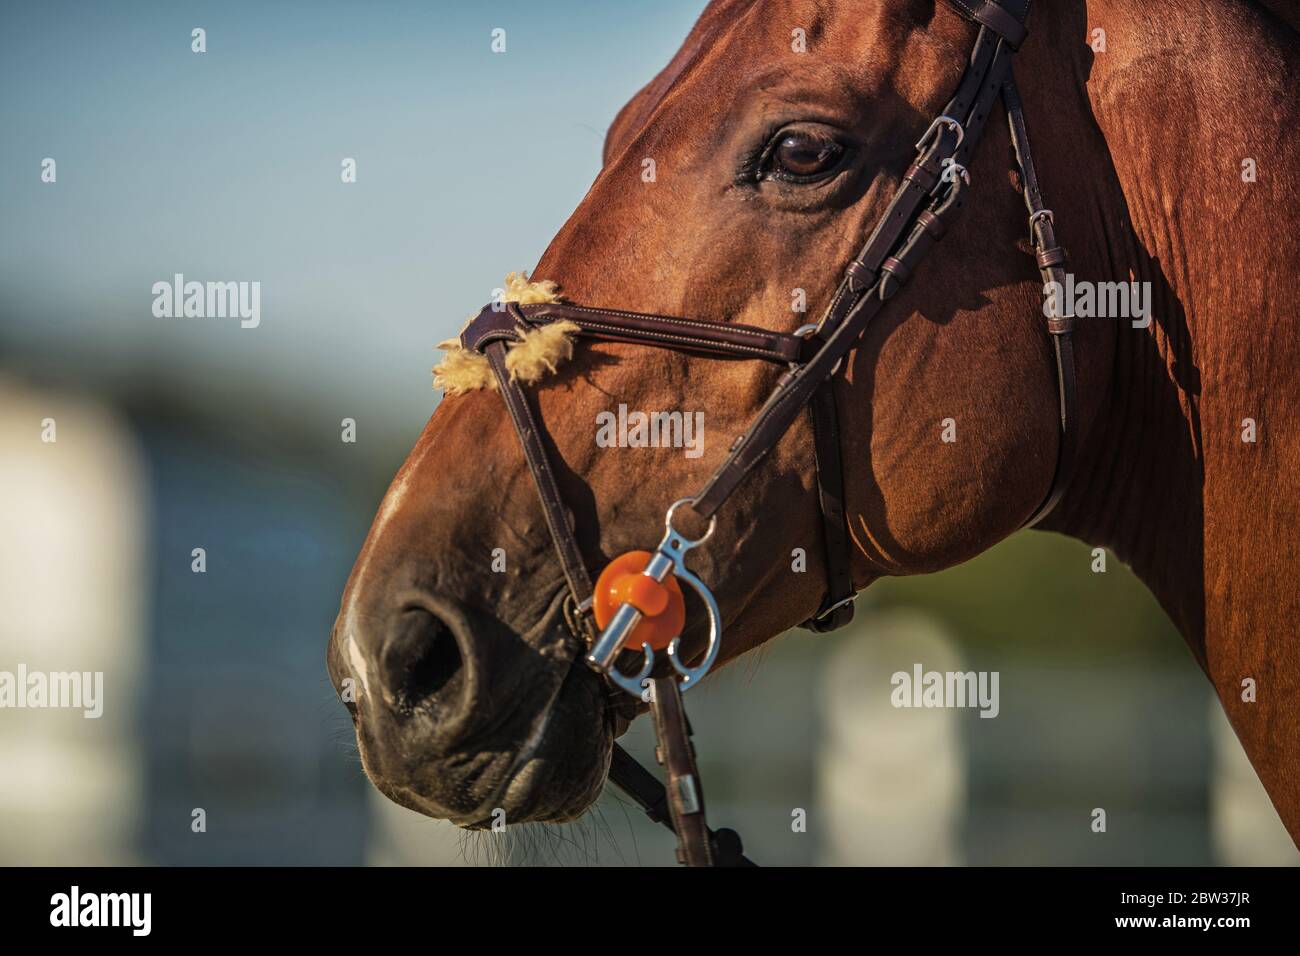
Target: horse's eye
(800,155)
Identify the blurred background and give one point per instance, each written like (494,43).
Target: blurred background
(175,434)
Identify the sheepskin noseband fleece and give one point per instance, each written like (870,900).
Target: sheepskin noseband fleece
(538,352)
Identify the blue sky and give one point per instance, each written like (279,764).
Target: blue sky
(226,166)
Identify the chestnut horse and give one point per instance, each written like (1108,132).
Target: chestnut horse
(1165,143)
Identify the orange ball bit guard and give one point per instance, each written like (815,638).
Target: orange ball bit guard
(663,612)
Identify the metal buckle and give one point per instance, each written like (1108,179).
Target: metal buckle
(574,615)
(1033,219)
(941,120)
(821,622)
(837,605)
(803,332)
(669,557)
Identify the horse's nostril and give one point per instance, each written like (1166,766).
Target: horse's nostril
(422,661)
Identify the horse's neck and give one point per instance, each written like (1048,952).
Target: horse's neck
(1208,520)
(1169,478)
(1167,481)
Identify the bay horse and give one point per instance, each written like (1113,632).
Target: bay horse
(739,181)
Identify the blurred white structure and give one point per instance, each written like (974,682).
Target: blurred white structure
(71,587)
(1247,830)
(890,781)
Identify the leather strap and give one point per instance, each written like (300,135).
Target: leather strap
(837,606)
(923,174)
(723,339)
(719,339)
(1049,257)
(675,752)
(1006,18)
(539,465)
(649,794)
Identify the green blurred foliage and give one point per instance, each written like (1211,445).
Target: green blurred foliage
(1035,596)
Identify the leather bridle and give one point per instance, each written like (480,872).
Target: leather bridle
(923,207)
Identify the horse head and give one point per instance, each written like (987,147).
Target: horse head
(735,186)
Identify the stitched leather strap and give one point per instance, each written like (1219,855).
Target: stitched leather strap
(837,606)
(1049,257)
(539,465)
(718,339)
(681,777)
(1006,18)
(920,177)
(649,794)
(723,339)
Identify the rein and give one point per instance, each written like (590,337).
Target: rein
(636,604)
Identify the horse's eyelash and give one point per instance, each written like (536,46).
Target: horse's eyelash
(751,166)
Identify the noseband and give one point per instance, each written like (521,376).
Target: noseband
(924,206)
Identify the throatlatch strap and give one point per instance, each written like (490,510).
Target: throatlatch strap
(837,606)
(1050,258)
